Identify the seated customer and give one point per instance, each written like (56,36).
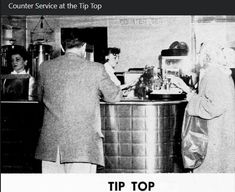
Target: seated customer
(18,59)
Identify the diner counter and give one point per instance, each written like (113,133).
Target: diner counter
(29,100)
(123,101)
(20,127)
(144,102)
(140,136)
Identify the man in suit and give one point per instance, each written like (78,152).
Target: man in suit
(70,88)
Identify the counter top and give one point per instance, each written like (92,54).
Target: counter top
(29,100)
(144,102)
(123,101)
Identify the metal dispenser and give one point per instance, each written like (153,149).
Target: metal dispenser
(39,52)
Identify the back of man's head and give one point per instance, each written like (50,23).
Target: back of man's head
(73,42)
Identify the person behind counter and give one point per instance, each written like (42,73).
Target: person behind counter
(112,59)
(19,58)
(215,102)
(70,88)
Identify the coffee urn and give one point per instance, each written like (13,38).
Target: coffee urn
(39,52)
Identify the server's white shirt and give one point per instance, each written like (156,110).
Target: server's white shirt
(109,69)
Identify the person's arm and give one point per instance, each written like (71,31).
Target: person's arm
(211,102)
(177,81)
(110,91)
(130,84)
(112,75)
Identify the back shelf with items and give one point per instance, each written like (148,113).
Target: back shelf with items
(180,66)
(172,65)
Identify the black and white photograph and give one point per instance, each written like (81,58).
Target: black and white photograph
(98,96)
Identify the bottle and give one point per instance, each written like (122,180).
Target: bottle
(40,55)
(142,89)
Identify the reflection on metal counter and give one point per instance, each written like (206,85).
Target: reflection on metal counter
(14,87)
(142,137)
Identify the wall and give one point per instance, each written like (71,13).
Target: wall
(220,29)
(18,26)
(141,38)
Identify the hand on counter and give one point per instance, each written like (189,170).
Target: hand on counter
(129,84)
(177,81)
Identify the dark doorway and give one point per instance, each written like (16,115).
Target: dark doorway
(96,38)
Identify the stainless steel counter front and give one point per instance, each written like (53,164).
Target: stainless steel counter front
(142,136)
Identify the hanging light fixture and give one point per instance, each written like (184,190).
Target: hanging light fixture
(41,31)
